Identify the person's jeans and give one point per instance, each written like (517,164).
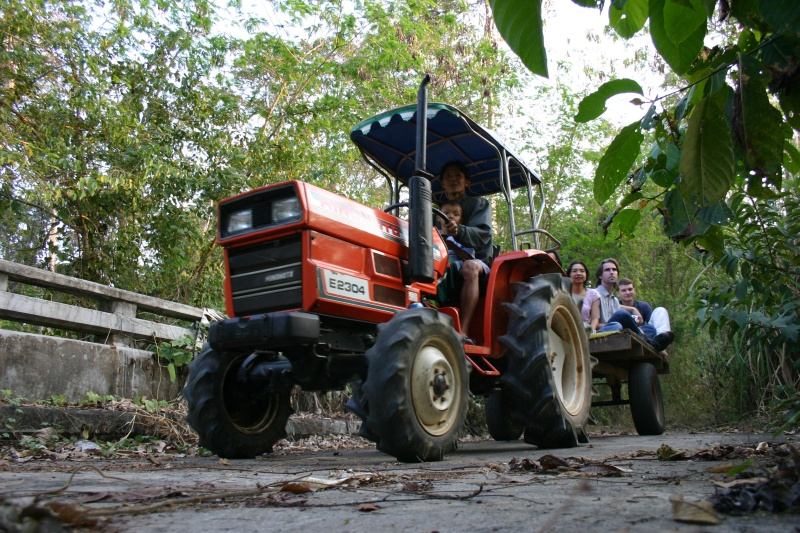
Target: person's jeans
(621,320)
(649,331)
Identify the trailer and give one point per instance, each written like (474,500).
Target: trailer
(624,357)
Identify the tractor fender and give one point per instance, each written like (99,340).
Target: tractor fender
(507,269)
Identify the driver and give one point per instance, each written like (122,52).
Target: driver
(474,231)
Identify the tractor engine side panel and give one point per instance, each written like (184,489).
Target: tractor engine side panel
(350,281)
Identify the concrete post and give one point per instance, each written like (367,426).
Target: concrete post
(3,282)
(123,309)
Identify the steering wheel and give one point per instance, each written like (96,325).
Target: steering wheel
(436,211)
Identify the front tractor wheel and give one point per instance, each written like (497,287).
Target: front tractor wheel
(230,420)
(549,371)
(416,386)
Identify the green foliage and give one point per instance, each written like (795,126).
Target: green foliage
(594,105)
(755,298)
(617,161)
(629,18)
(679,49)
(57,400)
(520,24)
(722,173)
(176,354)
(121,126)
(151,405)
(8,396)
(94,399)
(707,165)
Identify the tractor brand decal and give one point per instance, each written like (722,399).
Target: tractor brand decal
(354,214)
(344,285)
(394,233)
(278,276)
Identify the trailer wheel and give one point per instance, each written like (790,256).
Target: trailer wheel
(498,418)
(647,404)
(549,366)
(230,422)
(416,386)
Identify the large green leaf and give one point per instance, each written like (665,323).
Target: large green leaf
(682,18)
(791,159)
(679,57)
(758,123)
(779,56)
(713,241)
(629,19)
(594,104)
(676,214)
(782,15)
(616,161)
(520,24)
(626,220)
(707,163)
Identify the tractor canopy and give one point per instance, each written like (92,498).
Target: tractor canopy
(387,142)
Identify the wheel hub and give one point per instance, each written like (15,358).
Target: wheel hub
(433,390)
(439,385)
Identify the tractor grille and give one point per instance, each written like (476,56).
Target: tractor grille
(267,276)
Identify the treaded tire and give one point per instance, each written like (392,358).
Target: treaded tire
(416,386)
(498,418)
(228,422)
(647,403)
(553,401)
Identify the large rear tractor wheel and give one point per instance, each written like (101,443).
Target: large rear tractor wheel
(549,369)
(231,421)
(647,404)
(498,418)
(416,386)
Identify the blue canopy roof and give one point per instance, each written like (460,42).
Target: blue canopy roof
(389,139)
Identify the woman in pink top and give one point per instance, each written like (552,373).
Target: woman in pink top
(581,294)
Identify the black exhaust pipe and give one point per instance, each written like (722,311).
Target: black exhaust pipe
(420,246)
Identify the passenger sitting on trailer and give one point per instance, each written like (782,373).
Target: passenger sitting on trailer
(607,314)
(473,231)
(656,327)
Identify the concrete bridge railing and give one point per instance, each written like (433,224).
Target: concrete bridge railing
(39,366)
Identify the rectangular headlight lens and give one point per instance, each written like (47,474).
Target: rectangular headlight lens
(285,209)
(240,220)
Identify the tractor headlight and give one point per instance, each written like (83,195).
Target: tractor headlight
(240,220)
(259,210)
(285,209)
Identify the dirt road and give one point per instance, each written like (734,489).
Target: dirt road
(615,483)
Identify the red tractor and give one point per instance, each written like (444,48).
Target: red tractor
(326,292)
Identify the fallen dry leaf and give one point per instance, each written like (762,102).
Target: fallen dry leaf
(224,462)
(497,467)
(417,486)
(296,487)
(368,507)
(87,446)
(720,469)
(701,512)
(523,465)
(740,482)
(600,470)
(71,514)
(666,453)
(551,462)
